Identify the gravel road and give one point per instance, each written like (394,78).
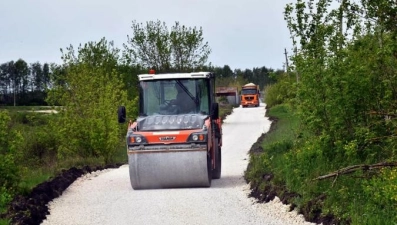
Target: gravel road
(106,197)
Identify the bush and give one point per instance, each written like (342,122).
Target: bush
(280,92)
(9,170)
(41,145)
(87,125)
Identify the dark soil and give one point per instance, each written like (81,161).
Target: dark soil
(32,209)
(311,210)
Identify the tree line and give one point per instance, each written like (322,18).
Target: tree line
(23,83)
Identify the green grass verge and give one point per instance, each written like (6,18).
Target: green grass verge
(31,178)
(358,198)
(274,144)
(285,129)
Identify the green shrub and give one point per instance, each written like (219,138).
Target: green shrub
(9,154)
(88,125)
(20,117)
(280,92)
(41,145)
(5,198)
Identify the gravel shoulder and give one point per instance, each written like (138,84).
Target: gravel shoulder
(106,197)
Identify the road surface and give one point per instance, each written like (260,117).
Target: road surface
(106,197)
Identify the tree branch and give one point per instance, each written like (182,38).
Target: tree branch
(351,169)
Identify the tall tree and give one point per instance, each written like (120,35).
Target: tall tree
(46,75)
(21,79)
(153,45)
(149,45)
(37,76)
(11,77)
(4,82)
(188,48)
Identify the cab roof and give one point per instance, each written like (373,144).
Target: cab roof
(165,76)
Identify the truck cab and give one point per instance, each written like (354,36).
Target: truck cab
(250,95)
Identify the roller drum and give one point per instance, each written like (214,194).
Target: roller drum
(169,169)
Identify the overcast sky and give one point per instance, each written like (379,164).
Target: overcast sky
(242,34)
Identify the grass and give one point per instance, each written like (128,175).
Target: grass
(31,178)
(286,127)
(274,144)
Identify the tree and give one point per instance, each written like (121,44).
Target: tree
(153,45)
(248,75)
(227,72)
(188,49)
(90,92)
(4,82)
(20,79)
(37,76)
(46,75)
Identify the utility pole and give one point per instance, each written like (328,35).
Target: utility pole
(286,59)
(296,71)
(14,90)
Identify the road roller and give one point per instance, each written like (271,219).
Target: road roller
(176,139)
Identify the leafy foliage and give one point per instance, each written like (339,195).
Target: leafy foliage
(90,94)
(345,99)
(283,91)
(153,45)
(9,155)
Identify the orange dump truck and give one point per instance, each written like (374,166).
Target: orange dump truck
(250,95)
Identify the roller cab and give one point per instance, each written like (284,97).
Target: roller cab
(177,138)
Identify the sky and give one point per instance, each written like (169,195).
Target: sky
(242,34)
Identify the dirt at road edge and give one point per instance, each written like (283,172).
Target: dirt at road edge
(32,209)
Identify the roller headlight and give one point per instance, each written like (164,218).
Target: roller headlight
(198,137)
(135,139)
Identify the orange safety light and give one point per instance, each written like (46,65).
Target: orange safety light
(152,71)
